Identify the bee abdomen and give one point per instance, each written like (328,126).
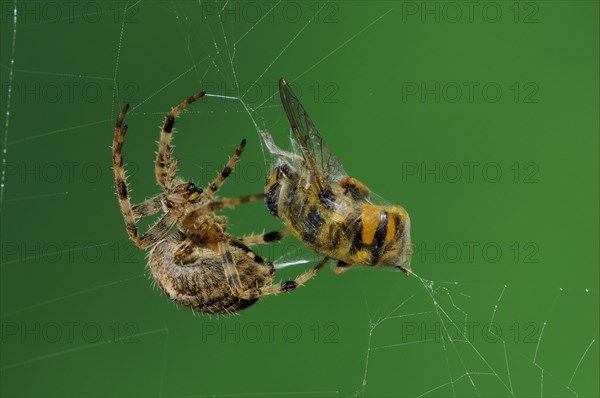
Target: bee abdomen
(379,238)
(368,231)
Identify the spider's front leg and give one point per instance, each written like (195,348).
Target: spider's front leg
(130,214)
(227,170)
(148,207)
(163,156)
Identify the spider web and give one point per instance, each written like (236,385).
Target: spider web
(423,326)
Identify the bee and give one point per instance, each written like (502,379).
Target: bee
(330,212)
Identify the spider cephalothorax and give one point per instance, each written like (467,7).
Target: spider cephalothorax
(193,259)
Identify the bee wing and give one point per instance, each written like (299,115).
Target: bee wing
(322,164)
(296,256)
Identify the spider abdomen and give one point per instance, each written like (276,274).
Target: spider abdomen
(201,284)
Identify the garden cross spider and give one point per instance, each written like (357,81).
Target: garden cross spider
(200,265)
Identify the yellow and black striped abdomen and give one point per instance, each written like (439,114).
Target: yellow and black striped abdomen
(380,236)
(335,224)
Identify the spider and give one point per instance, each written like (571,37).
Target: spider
(193,259)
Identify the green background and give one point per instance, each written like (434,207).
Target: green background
(80,315)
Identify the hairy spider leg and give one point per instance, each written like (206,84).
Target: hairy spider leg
(148,207)
(193,225)
(254,293)
(263,238)
(227,170)
(158,230)
(163,156)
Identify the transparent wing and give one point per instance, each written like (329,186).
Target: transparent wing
(295,254)
(379,200)
(322,164)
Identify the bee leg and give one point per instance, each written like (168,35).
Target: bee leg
(269,237)
(342,267)
(354,188)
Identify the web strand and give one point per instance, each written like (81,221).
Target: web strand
(8,102)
